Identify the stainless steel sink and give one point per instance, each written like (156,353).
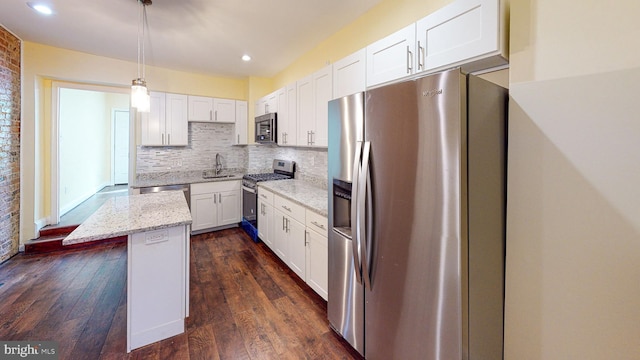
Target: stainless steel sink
(217,176)
(212,175)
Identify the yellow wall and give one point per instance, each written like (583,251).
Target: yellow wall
(573,230)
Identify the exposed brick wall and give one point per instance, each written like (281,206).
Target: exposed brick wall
(9,144)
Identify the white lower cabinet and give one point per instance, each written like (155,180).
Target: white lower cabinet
(317,253)
(298,236)
(215,204)
(266,217)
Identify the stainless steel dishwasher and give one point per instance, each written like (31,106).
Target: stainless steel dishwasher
(182,187)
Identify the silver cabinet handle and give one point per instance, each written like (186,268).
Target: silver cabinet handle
(283,219)
(162,139)
(288,228)
(409,59)
(210,115)
(318,225)
(421,57)
(216,115)
(306,240)
(215,199)
(220,198)
(286,208)
(238,139)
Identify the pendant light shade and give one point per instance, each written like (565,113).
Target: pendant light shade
(140,99)
(140,95)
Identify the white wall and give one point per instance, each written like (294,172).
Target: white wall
(573,224)
(84,145)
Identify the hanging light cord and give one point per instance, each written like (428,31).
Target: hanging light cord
(142,22)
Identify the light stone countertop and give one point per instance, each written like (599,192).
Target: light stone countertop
(181,177)
(308,195)
(124,215)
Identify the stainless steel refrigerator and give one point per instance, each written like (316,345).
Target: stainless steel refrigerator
(417,218)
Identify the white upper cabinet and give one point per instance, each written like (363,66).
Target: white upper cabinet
(208,109)
(306,116)
(391,58)
(166,122)
(200,108)
(241,123)
(314,93)
(177,126)
(469,33)
(224,110)
(291,129)
(286,125)
(323,93)
(349,74)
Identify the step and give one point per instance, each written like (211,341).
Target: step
(53,243)
(57,230)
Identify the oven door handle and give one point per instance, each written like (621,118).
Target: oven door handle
(248,189)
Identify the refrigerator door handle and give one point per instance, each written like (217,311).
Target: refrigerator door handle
(355,225)
(364,203)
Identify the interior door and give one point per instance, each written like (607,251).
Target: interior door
(121,147)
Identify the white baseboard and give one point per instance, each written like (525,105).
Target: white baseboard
(79,200)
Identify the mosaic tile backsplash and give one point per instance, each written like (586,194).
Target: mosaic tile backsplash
(206,140)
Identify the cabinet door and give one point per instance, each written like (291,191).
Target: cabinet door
(204,211)
(176,120)
(297,249)
(392,57)
(317,263)
(241,122)
(280,236)
(200,108)
(291,133)
(459,32)
(228,207)
(271,105)
(306,111)
(224,110)
(322,94)
(283,115)
(152,124)
(261,107)
(265,223)
(349,74)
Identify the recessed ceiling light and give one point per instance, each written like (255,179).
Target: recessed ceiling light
(246,57)
(41,8)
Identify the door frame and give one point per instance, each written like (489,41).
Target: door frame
(113,141)
(54,180)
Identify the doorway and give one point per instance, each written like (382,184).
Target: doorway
(90,146)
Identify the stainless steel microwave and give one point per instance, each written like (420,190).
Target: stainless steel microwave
(266,128)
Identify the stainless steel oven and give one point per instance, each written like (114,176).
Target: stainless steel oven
(266,128)
(282,170)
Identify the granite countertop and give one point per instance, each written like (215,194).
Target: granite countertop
(181,177)
(124,215)
(308,195)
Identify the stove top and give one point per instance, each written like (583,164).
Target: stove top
(266,177)
(282,170)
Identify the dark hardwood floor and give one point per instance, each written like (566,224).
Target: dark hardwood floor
(245,304)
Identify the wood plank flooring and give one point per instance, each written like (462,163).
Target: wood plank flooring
(245,304)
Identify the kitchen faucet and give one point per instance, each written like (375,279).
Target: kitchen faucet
(218,164)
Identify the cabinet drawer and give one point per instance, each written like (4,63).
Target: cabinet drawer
(265,195)
(289,208)
(215,186)
(317,222)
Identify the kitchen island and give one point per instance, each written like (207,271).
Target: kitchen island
(158,228)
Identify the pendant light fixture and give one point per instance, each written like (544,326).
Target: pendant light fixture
(139,93)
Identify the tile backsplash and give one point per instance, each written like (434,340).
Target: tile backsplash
(206,140)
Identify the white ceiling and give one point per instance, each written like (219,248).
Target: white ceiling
(202,36)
